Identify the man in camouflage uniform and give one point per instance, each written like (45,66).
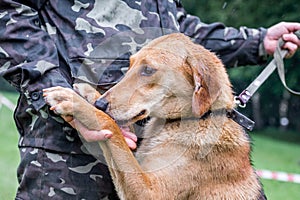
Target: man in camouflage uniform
(45,43)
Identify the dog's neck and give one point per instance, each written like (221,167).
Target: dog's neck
(203,132)
(155,125)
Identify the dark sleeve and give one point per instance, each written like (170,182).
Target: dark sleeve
(28,57)
(236,47)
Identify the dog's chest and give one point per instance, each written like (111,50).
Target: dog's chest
(164,145)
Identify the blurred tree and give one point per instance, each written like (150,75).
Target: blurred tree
(257,13)
(236,13)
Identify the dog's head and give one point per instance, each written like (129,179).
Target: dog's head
(171,78)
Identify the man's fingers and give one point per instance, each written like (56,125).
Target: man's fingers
(291,37)
(96,135)
(292,43)
(291,47)
(291,26)
(91,135)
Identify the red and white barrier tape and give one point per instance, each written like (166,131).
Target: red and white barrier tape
(279,176)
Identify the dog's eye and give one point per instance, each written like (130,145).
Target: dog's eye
(148,71)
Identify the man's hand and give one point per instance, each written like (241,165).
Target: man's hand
(94,135)
(286,31)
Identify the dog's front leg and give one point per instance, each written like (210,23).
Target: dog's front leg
(87,91)
(130,180)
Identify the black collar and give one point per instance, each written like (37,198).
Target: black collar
(232,114)
(241,119)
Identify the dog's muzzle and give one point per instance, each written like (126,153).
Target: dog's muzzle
(101,104)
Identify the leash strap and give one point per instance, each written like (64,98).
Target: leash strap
(279,54)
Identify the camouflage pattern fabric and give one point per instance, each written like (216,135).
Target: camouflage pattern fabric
(50,175)
(45,43)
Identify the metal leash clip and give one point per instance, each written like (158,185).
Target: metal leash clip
(242,99)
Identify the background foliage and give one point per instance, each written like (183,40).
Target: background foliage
(274,102)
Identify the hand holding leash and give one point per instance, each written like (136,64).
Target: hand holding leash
(244,97)
(279,55)
(285,31)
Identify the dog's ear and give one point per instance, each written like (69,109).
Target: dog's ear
(206,88)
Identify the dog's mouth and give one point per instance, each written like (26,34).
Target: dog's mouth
(140,116)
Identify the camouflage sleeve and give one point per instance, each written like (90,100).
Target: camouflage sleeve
(28,56)
(236,47)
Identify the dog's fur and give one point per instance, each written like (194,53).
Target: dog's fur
(191,149)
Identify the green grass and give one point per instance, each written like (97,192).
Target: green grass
(272,150)
(9,154)
(277,155)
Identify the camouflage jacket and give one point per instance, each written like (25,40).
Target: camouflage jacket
(46,43)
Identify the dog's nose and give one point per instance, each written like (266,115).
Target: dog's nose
(101,104)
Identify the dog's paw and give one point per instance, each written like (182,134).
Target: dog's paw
(87,91)
(62,100)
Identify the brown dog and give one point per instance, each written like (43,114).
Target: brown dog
(191,149)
